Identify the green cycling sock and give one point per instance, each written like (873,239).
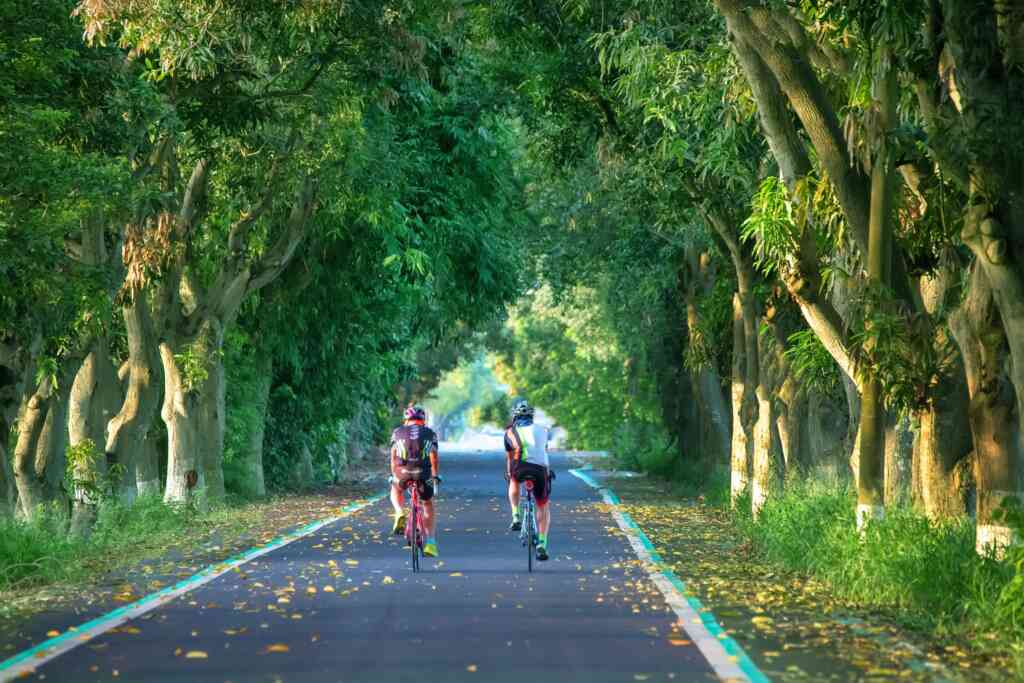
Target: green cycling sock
(543,539)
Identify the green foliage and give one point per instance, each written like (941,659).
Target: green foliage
(645,447)
(905,561)
(811,362)
(901,349)
(494,412)
(41,552)
(1009,602)
(59,168)
(462,392)
(771,226)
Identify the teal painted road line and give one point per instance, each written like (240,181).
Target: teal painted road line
(34,657)
(723,653)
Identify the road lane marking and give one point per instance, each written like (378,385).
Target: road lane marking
(31,659)
(724,654)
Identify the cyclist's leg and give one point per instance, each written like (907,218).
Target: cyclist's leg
(396,497)
(427,497)
(427,501)
(542,494)
(399,509)
(543,518)
(513,499)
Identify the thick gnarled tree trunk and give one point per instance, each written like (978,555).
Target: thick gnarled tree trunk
(95,398)
(994,419)
(127,431)
(41,449)
(193,413)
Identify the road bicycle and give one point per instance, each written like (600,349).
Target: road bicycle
(528,515)
(415,529)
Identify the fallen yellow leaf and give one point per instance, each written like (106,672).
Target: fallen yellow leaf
(387,580)
(276,647)
(195,654)
(328,589)
(52,633)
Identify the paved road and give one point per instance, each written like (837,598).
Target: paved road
(343,605)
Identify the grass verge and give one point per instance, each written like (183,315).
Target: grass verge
(41,552)
(769,588)
(925,573)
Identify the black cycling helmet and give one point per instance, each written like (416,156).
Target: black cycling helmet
(522,409)
(415,412)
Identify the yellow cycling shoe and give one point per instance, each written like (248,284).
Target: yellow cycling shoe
(430,550)
(399,528)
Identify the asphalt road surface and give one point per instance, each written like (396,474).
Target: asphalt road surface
(343,605)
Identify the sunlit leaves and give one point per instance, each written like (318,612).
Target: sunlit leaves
(770,225)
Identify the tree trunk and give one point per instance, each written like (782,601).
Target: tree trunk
(95,398)
(995,422)
(147,468)
(898,455)
(41,449)
(193,412)
(126,433)
(9,388)
(186,479)
(211,416)
(741,434)
(871,471)
(252,464)
(713,404)
(764,470)
(303,472)
(766,474)
(709,389)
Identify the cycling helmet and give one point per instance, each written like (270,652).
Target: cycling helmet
(415,412)
(522,409)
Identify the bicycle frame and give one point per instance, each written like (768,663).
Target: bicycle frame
(414,530)
(528,532)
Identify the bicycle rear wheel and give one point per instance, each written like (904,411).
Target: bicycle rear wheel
(415,538)
(530,536)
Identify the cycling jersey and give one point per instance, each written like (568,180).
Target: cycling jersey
(528,443)
(411,446)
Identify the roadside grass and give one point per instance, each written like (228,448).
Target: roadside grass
(41,552)
(925,573)
(922,573)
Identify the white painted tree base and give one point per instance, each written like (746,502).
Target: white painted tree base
(738,484)
(757,497)
(148,487)
(868,512)
(994,537)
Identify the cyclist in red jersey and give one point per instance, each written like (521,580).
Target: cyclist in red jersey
(414,461)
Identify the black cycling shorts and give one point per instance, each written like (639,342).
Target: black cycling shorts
(538,474)
(420,475)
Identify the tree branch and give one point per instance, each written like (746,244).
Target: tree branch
(277,258)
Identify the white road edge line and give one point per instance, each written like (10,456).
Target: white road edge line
(31,659)
(731,668)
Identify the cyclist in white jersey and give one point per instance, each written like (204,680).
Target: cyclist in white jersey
(526,446)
